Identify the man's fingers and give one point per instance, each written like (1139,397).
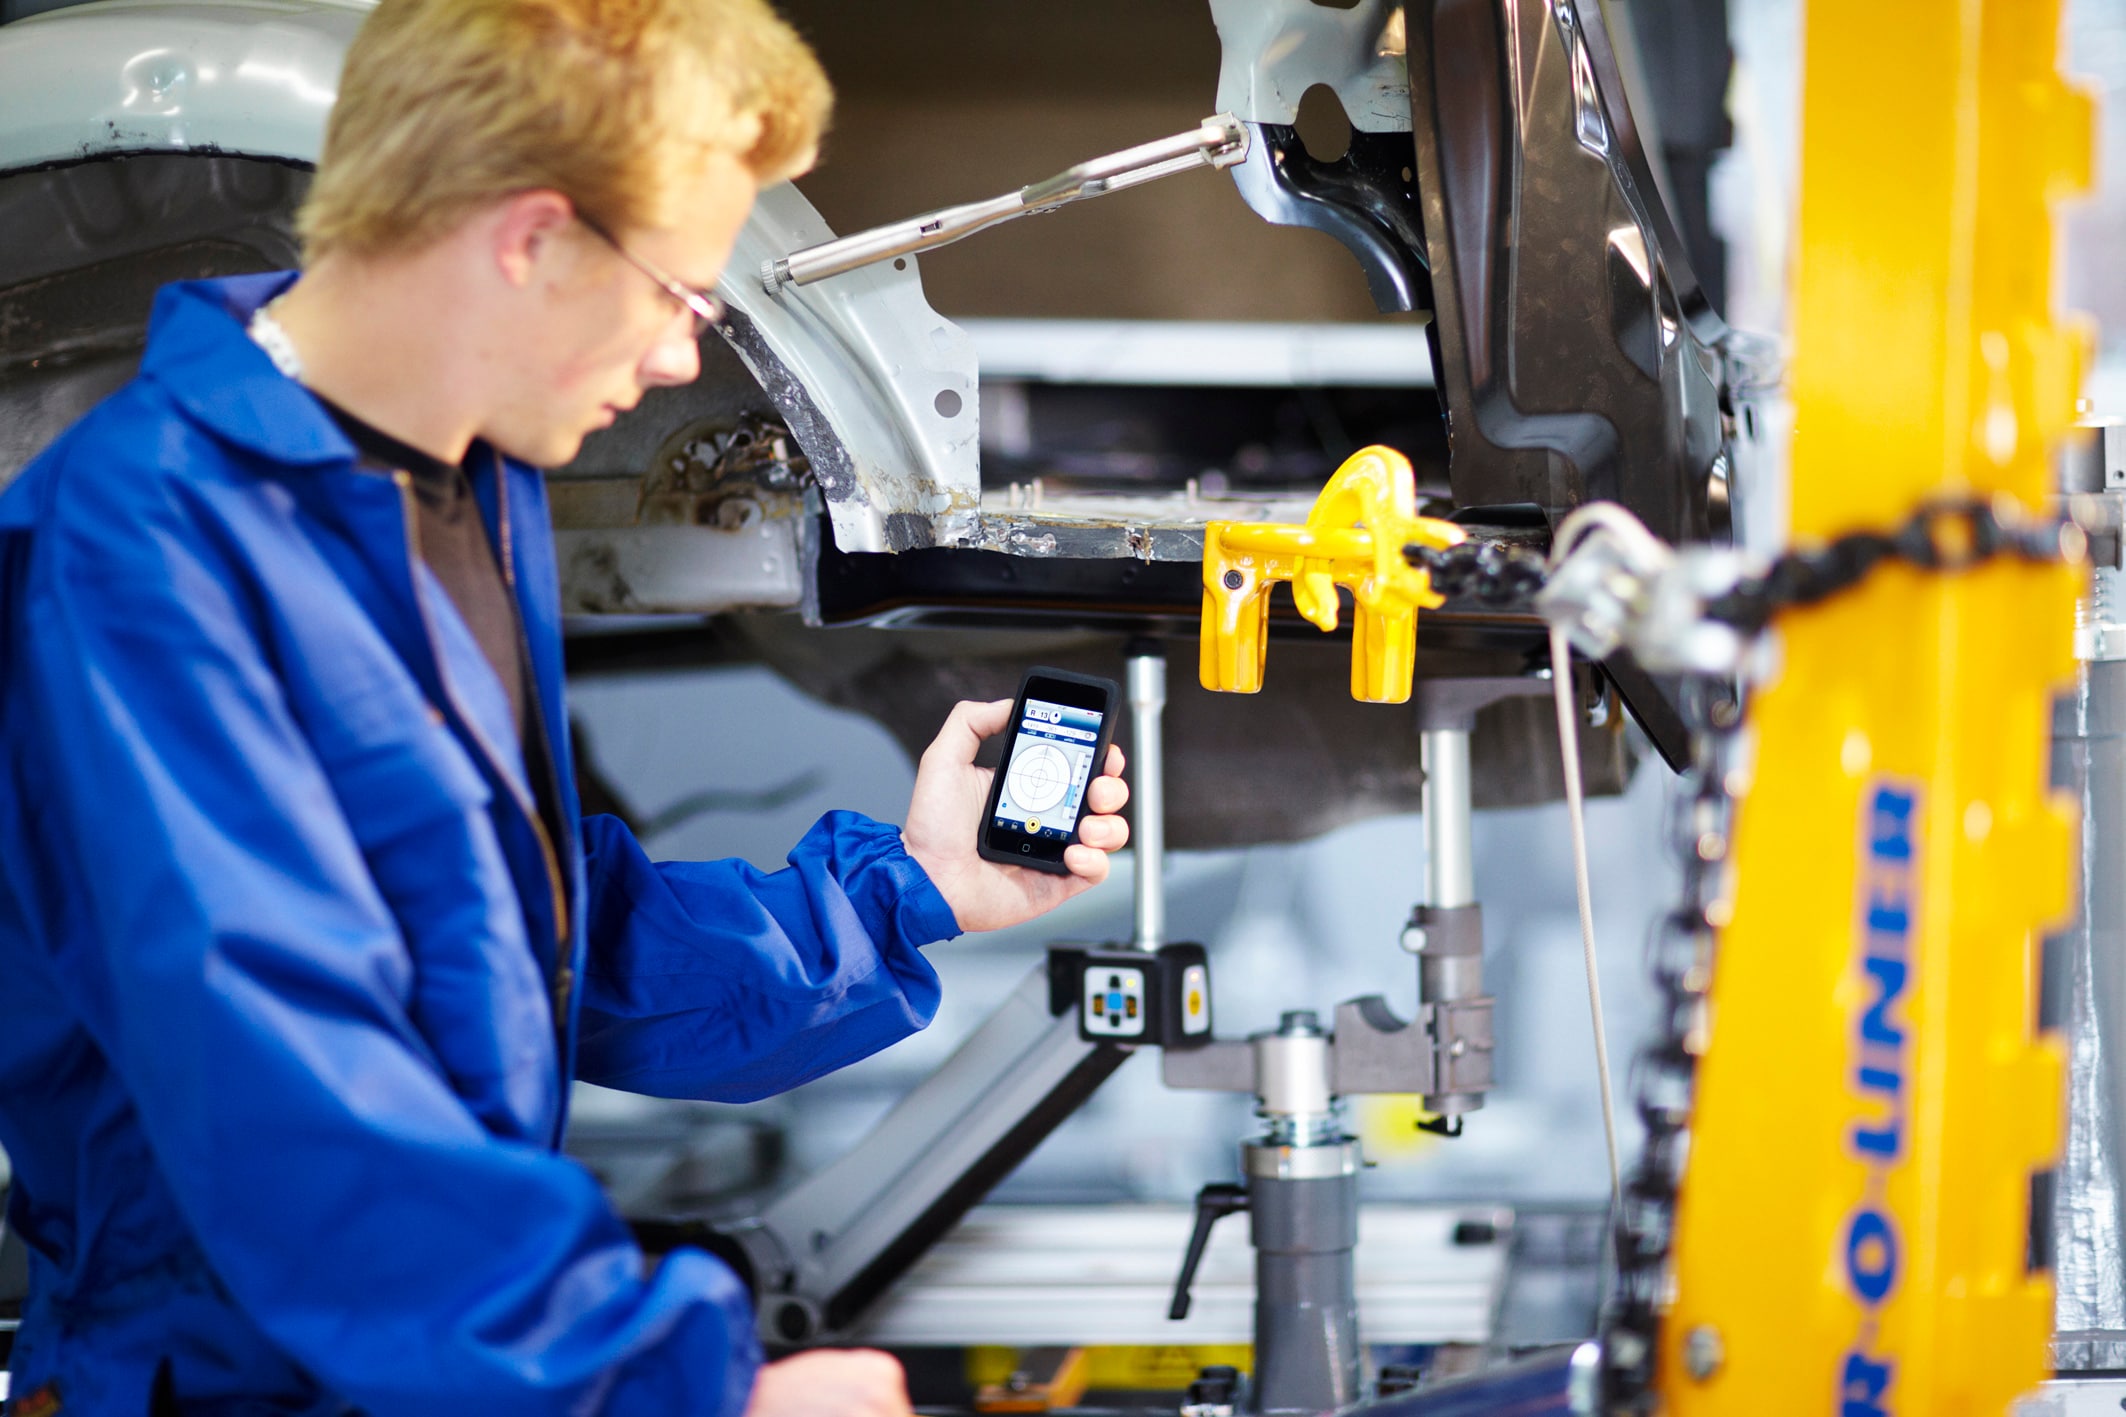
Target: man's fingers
(1106,796)
(884,1383)
(986,719)
(1087,863)
(1115,761)
(967,725)
(891,1379)
(828,1382)
(1106,833)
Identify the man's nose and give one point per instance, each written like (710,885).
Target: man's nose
(674,359)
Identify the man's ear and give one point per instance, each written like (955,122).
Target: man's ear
(524,229)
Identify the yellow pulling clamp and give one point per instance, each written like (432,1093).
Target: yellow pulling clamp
(1354,536)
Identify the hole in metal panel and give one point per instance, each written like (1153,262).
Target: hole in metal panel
(1323,126)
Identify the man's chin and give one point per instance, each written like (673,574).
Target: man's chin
(546,448)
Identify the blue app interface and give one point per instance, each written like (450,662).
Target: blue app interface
(1050,763)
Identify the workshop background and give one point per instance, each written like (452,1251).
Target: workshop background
(955,99)
(958,99)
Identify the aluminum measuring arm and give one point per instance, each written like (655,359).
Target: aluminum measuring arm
(1218,141)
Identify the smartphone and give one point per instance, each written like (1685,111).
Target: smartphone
(1056,745)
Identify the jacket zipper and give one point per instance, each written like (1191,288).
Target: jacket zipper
(563,981)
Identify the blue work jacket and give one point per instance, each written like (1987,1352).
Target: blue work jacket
(279,930)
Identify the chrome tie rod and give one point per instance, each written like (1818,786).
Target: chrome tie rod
(1219,141)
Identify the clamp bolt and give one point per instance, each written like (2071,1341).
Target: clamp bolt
(1414,939)
(1703,1352)
(1234,580)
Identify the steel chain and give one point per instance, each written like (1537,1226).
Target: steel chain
(1949,536)
(1946,536)
(1491,572)
(1665,1072)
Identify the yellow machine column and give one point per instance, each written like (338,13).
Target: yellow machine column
(1873,1101)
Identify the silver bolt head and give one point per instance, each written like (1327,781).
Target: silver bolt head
(1626,1349)
(1703,1352)
(1414,939)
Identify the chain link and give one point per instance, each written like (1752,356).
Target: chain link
(1947,536)
(1492,573)
(1665,1074)
(1943,536)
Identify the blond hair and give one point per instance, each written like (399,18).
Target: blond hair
(448,105)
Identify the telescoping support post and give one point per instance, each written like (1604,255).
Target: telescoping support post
(1147,769)
(1446,930)
(1449,924)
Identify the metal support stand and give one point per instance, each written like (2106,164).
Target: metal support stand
(2085,985)
(1450,851)
(1445,1053)
(1302,1174)
(1147,707)
(1446,932)
(1302,1179)
(1302,1201)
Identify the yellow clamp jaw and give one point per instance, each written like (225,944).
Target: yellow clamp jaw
(1354,537)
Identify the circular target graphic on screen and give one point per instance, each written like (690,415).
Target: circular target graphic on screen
(1039,777)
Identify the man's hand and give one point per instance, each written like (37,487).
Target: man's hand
(831,1382)
(945,815)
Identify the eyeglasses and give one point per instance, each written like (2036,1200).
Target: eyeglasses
(708,311)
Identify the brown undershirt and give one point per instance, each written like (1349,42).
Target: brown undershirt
(450,535)
(452,538)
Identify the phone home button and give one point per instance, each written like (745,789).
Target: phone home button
(1027,847)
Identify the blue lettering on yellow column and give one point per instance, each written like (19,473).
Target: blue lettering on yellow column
(1888,896)
(1865,1382)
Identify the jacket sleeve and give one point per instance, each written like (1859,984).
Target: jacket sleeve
(716,980)
(246,979)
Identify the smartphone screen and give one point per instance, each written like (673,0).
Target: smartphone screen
(1057,737)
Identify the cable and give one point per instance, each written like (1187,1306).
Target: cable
(1576,813)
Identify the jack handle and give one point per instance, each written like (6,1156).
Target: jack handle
(1213,1204)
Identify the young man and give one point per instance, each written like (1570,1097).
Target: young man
(300,934)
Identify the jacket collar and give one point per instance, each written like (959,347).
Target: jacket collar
(200,355)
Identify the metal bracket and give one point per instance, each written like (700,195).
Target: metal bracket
(1462,1046)
(1273,51)
(1377,1052)
(1446,1049)
(1223,1066)
(1445,931)
(1362,199)
(877,387)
